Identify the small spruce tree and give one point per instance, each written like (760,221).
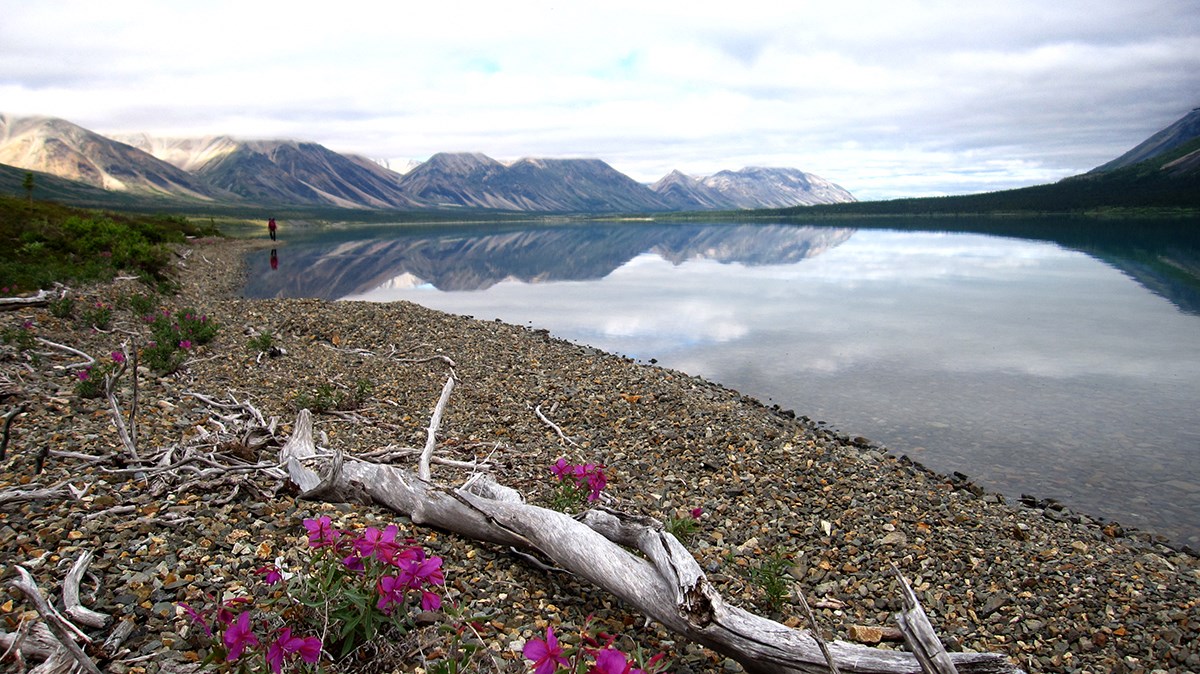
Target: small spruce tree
(28,185)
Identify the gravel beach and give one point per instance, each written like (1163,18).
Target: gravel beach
(1054,590)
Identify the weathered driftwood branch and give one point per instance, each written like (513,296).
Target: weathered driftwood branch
(41,299)
(31,639)
(88,361)
(435,422)
(70,593)
(919,634)
(126,433)
(553,426)
(33,493)
(63,630)
(664,581)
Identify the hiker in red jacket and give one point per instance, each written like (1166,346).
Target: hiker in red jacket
(271,226)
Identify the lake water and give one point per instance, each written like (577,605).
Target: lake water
(1061,359)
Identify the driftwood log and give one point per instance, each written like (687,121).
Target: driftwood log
(41,299)
(664,581)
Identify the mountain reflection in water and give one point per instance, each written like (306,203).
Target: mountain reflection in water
(470,260)
(1060,360)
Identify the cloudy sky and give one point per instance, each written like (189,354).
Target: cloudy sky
(887,98)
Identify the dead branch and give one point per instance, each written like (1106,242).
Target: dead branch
(561,436)
(435,422)
(63,630)
(32,639)
(126,433)
(88,360)
(8,419)
(41,299)
(919,633)
(15,495)
(70,593)
(661,579)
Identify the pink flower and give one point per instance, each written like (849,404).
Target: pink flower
(391,591)
(430,571)
(546,654)
(185,344)
(596,482)
(354,562)
(378,544)
(271,574)
(610,661)
(430,601)
(309,649)
(562,469)
(697,512)
(118,357)
(321,533)
(83,374)
(238,636)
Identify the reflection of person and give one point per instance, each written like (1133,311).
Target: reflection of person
(274,259)
(271,227)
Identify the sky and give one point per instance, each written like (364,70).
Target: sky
(887,99)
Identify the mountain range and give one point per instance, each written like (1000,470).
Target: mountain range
(224,170)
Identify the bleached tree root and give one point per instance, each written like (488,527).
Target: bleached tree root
(62,630)
(664,581)
(41,299)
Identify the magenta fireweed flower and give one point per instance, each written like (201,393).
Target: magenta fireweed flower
(238,636)
(610,661)
(546,654)
(378,544)
(404,557)
(562,469)
(587,476)
(430,601)
(355,563)
(428,571)
(271,574)
(391,590)
(596,482)
(321,532)
(308,648)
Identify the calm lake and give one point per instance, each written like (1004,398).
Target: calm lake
(1054,358)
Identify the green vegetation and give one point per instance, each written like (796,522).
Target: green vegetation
(262,342)
(41,243)
(326,399)
(175,335)
(772,579)
(1150,187)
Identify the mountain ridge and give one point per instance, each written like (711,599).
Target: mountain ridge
(1181,132)
(60,148)
(222,169)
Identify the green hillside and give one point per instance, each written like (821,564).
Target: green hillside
(1146,186)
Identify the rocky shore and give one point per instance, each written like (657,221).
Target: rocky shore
(1055,592)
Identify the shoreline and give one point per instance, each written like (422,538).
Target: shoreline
(1053,595)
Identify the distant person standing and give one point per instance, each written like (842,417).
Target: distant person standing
(271,227)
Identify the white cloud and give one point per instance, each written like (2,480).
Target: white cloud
(885,98)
